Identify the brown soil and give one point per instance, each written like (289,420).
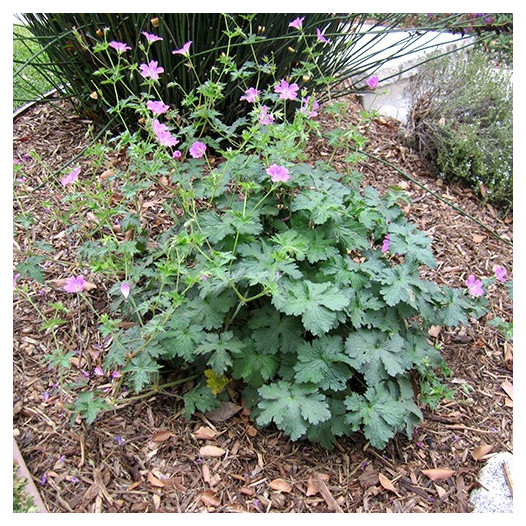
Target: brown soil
(146,457)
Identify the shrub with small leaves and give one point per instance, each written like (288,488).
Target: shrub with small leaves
(462,121)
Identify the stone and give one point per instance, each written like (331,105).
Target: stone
(495,496)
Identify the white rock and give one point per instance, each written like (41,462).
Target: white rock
(495,496)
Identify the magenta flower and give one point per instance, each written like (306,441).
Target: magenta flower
(286,90)
(163,134)
(120,47)
(197,150)
(15,277)
(321,38)
(71,177)
(500,273)
(98,371)
(251,94)
(16,161)
(264,117)
(151,38)
(177,154)
(386,243)
(151,70)
(372,82)
(278,173)
(75,284)
(184,50)
(308,108)
(297,23)
(158,107)
(474,286)
(116,374)
(125,289)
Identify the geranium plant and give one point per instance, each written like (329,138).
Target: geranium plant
(278,279)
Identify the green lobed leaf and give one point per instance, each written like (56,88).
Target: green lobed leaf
(318,304)
(377,355)
(200,399)
(323,362)
(220,347)
(292,407)
(377,412)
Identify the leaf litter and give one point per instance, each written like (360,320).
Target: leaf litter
(109,467)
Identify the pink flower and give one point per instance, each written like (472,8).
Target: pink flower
(177,154)
(286,90)
(120,47)
(156,106)
(151,38)
(321,38)
(98,371)
(474,286)
(278,173)
(151,70)
(16,161)
(500,273)
(372,82)
(386,243)
(75,284)
(251,94)
(163,134)
(184,50)
(197,150)
(116,374)
(71,177)
(306,108)
(125,289)
(297,23)
(15,277)
(264,117)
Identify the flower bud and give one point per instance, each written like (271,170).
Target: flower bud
(155,22)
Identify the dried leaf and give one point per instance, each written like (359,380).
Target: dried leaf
(386,483)
(312,487)
(252,431)
(154,481)
(205,433)
(507,387)
(478,238)
(211,451)
(106,174)
(162,436)
(438,473)
(508,357)
(281,485)
(481,451)
(206,473)
(225,411)
(209,498)
(434,330)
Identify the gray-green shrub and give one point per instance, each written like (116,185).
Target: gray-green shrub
(461,119)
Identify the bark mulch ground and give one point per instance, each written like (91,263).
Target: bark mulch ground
(146,457)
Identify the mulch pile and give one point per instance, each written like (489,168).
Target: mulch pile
(146,457)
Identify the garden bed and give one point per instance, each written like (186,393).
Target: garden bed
(146,457)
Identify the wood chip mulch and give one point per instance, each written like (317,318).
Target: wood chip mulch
(146,457)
